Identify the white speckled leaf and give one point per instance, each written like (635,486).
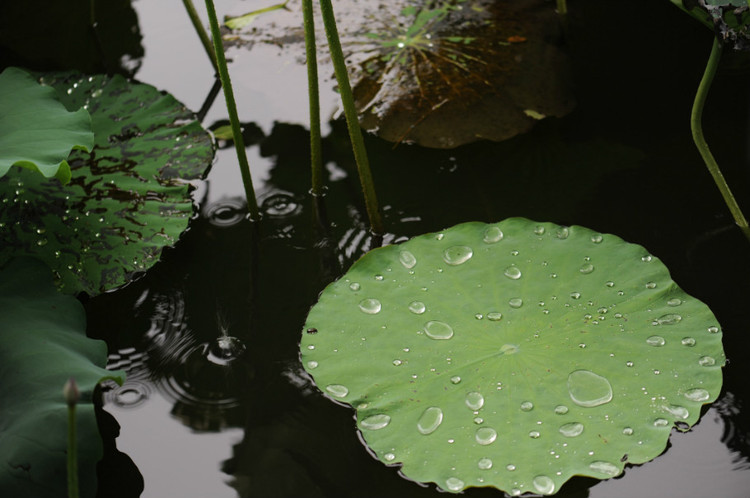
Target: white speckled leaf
(514,355)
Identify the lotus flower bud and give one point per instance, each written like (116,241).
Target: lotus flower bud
(70,392)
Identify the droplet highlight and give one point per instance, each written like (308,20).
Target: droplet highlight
(588,389)
(474,400)
(337,390)
(572,429)
(407,259)
(492,235)
(605,468)
(484,464)
(457,255)
(454,484)
(375,422)
(512,272)
(544,485)
(417,307)
(515,302)
(656,341)
(370,306)
(438,330)
(697,394)
(430,420)
(485,435)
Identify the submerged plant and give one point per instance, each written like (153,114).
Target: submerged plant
(444,73)
(515,355)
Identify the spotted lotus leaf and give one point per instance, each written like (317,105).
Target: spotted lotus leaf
(127,199)
(440,73)
(515,355)
(729,18)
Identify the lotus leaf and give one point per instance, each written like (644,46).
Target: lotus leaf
(43,343)
(730,18)
(36,131)
(514,355)
(127,199)
(443,73)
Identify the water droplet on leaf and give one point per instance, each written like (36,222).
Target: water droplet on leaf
(375,422)
(485,435)
(457,255)
(474,400)
(370,306)
(571,429)
(588,389)
(430,420)
(544,484)
(438,330)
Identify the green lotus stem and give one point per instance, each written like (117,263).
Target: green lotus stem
(562,7)
(352,120)
(71,395)
(316,157)
(226,84)
(700,141)
(198,25)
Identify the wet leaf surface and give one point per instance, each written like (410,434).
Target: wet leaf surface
(127,199)
(36,131)
(43,344)
(443,73)
(514,355)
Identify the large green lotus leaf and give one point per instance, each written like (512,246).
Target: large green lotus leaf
(36,131)
(514,355)
(43,343)
(441,73)
(128,198)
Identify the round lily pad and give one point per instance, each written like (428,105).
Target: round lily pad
(127,199)
(514,355)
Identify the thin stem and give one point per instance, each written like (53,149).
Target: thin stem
(697,128)
(72,453)
(352,120)
(226,84)
(562,7)
(198,25)
(316,157)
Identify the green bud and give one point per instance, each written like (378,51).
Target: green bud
(70,392)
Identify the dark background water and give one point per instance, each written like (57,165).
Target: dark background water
(622,162)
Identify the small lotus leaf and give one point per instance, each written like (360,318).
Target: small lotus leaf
(36,131)
(43,344)
(514,355)
(127,199)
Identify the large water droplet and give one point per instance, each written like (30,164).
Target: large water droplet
(375,422)
(417,307)
(430,420)
(597,239)
(586,268)
(656,341)
(697,394)
(337,390)
(408,260)
(312,364)
(370,306)
(688,341)
(675,301)
(457,255)
(527,406)
(706,361)
(454,484)
(438,330)
(561,409)
(484,464)
(515,302)
(571,429)
(493,235)
(485,435)
(628,431)
(494,316)
(544,485)
(474,400)
(534,434)
(355,286)
(605,468)
(455,379)
(589,389)
(677,411)
(668,319)
(510,467)
(539,230)
(509,349)
(512,272)
(661,422)
(713,330)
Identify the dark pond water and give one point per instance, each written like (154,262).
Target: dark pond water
(196,425)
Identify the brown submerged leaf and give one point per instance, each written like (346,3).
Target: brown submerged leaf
(446,72)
